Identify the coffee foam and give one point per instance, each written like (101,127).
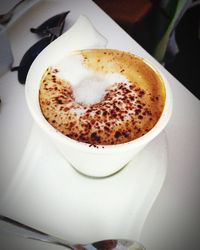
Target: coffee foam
(126,106)
(88,86)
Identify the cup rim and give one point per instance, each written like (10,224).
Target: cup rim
(35,74)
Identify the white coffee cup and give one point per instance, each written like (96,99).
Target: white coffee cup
(91,161)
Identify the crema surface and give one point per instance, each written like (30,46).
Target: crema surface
(102,96)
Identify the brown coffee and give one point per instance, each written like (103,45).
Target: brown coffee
(102,96)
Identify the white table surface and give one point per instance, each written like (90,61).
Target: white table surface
(174,220)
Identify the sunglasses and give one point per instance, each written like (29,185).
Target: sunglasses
(49,30)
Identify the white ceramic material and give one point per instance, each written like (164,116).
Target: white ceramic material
(49,195)
(92,161)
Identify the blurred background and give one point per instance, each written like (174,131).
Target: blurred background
(168,29)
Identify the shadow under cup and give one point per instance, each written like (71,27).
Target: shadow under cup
(96,160)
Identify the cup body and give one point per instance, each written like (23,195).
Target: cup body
(95,161)
(97,164)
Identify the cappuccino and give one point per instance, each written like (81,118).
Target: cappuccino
(102,96)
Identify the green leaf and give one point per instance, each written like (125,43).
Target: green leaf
(160,50)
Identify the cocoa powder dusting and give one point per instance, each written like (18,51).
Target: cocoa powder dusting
(126,112)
